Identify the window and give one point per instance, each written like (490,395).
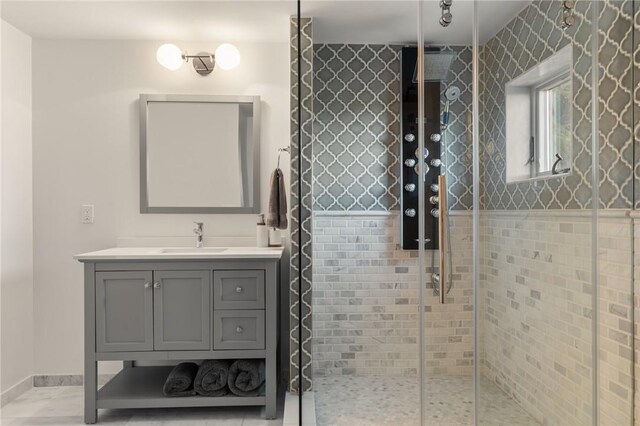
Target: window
(539,120)
(551,120)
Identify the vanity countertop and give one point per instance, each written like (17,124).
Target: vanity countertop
(181,253)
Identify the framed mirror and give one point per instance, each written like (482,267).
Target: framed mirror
(199,154)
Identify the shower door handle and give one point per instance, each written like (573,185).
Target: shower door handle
(442,221)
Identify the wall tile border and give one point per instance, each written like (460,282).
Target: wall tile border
(301,374)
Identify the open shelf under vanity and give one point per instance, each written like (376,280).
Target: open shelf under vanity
(141,387)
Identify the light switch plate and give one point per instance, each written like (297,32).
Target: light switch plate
(87,213)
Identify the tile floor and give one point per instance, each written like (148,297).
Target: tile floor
(63,406)
(339,401)
(382,401)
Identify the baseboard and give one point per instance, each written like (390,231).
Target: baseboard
(47,380)
(16,390)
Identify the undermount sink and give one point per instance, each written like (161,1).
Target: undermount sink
(194,250)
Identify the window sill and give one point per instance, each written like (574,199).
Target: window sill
(524,179)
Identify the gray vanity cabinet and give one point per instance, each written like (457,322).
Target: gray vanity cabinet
(181,304)
(124,311)
(154,313)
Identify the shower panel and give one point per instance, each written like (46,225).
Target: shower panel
(409,148)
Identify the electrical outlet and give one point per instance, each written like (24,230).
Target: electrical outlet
(87,213)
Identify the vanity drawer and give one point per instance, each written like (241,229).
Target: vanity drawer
(238,289)
(239,329)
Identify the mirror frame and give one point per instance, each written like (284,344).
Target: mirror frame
(255,141)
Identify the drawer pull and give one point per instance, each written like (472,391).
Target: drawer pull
(239,329)
(239,289)
(147,285)
(156,285)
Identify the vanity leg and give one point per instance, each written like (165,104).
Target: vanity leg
(270,409)
(271,340)
(271,388)
(90,362)
(90,390)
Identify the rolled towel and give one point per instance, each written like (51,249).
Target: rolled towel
(180,381)
(246,377)
(212,377)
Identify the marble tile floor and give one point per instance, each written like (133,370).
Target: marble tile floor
(382,401)
(63,406)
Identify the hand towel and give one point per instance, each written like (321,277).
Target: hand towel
(277,211)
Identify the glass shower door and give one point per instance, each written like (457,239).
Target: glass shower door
(445,90)
(538,200)
(363,364)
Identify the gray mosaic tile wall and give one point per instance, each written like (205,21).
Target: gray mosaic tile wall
(615,108)
(301,230)
(356,127)
(357,123)
(636,235)
(458,137)
(531,37)
(636,97)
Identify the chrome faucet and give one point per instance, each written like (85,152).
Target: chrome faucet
(199,233)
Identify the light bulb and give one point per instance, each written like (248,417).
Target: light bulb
(227,56)
(170,56)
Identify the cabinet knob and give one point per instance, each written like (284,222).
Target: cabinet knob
(147,285)
(156,285)
(239,289)
(239,329)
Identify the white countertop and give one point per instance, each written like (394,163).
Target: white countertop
(181,253)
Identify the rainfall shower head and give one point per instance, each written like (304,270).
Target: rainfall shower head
(436,66)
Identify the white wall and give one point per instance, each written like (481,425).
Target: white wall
(85,130)
(16,258)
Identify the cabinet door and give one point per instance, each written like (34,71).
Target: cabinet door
(182,305)
(124,311)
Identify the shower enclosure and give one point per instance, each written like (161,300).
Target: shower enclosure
(464,211)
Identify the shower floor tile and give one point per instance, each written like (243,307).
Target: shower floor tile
(381,401)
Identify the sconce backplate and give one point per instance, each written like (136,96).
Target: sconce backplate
(204,63)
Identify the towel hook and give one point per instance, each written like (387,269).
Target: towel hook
(280,151)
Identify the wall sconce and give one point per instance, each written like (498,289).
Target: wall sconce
(172,58)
